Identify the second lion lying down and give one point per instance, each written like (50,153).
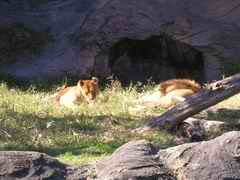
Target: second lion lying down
(85,90)
(170,92)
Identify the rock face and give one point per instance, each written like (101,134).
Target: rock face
(155,58)
(19,165)
(83,33)
(134,160)
(215,159)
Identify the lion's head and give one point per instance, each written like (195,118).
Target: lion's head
(89,89)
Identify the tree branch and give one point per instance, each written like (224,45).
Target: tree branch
(215,93)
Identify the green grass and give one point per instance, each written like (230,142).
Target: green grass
(80,135)
(29,121)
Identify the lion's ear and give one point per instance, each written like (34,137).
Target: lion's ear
(95,80)
(80,83)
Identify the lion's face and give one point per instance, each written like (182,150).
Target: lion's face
(89,89)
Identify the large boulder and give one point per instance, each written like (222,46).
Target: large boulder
(83,33)
(136,160)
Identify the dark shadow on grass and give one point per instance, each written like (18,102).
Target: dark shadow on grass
(25,129)
(51,84)
(229,116)
(40,85)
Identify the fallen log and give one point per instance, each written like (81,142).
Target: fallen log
(215,93)
(208,160)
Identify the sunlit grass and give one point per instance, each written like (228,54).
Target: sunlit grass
(82,134)
(70,158)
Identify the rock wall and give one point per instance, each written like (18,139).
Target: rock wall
(156,58)
(84,30)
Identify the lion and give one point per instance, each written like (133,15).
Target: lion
(175,90)
(169,93)
(174,84)
(85,90)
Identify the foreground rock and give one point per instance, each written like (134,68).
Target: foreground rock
(214,159)
(209,160)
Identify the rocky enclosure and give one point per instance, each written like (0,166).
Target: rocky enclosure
(83,34)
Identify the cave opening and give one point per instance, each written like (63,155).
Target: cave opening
(156,58)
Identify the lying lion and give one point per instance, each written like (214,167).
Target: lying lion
(169,93)
(175,90)
(85,90)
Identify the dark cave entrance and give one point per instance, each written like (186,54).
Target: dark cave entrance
(156,58)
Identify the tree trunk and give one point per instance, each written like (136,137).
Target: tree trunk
(215,93)
(137,160)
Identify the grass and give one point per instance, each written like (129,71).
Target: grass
(79,135)
(29,121)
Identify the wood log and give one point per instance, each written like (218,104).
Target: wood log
(215,93)
(208,160)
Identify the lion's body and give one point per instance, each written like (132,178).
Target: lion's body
(171,85)
(85,90)
(175,90)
